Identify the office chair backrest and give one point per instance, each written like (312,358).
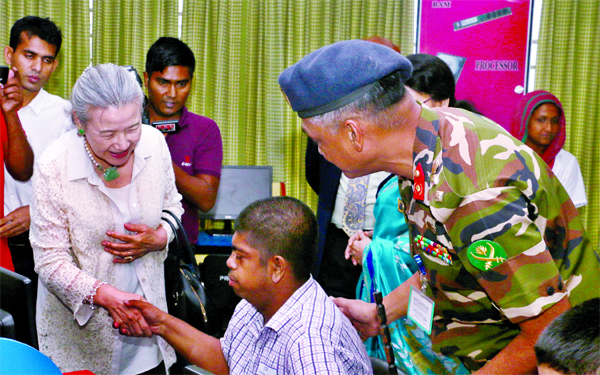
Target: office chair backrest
(20,359)
(215,277)
(16,297)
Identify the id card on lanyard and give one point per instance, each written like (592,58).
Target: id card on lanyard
(421,307)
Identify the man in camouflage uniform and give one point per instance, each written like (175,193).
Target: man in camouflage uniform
(516,251)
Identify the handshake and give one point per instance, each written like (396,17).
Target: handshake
(146,324)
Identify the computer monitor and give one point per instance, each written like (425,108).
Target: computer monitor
(240,185)
(16,298)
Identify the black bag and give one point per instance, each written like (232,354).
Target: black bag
(186,297)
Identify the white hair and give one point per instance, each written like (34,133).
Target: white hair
(103,86)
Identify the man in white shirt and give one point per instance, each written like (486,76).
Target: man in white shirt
(34,44)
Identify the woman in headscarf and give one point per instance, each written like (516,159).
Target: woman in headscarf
(539,122)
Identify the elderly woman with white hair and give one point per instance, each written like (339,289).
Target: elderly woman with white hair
(99,193)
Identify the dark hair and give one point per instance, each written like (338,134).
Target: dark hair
(465,104)
(432,76)
(168,51)
(43,28)
(281,226)
(570,344)
(386,92)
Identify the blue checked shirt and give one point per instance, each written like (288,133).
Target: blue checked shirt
(307,335)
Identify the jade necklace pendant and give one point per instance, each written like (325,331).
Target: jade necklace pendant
(108,173)
(111,174)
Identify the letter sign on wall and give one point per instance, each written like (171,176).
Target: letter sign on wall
(486,44)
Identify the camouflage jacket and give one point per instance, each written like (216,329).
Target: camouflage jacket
(481,183)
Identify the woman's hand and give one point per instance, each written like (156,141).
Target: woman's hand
(129,319)
(135,246)
(356,246)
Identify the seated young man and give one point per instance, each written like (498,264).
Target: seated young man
(285,323)
(571,343)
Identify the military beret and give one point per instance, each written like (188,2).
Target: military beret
(338,74)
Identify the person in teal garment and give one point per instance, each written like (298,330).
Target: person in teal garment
(385,257)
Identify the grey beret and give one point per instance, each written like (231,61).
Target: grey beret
(338,74)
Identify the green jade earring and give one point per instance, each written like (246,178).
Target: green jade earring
(108,173)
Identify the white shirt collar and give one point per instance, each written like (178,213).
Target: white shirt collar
(37,104)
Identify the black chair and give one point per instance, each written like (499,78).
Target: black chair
(215,277)
(16,298)
(7,325)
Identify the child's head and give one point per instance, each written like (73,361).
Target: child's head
(571,343)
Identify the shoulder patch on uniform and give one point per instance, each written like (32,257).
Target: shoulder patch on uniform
(485,254)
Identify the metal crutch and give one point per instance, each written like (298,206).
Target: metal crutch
(385,333)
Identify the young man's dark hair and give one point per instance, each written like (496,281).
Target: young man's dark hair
(168,51)
(571,343)
(282,226)
(43,28)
